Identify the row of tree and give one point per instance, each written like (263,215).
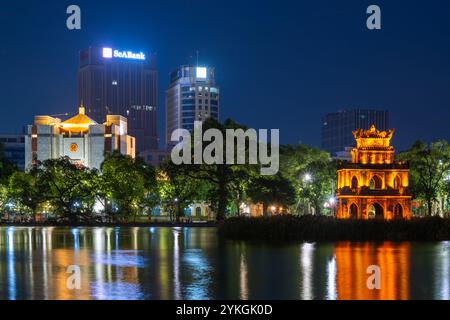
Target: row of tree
(125,188)
(429,176)
(122,188)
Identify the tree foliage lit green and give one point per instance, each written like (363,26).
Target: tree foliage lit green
(429,171)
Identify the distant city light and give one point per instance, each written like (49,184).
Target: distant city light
(201,72)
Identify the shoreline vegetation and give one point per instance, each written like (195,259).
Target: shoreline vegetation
(282,228)
(321,228)
(127,191)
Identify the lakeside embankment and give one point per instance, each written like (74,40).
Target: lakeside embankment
(298,228)
(114,225)
(314,228)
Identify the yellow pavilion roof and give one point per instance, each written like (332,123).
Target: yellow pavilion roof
(79,123)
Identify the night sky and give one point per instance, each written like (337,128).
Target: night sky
(280,64)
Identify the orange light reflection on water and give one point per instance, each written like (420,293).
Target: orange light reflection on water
(352,261)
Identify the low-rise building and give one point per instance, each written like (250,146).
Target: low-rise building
(80,138)
(155,157)
(14,149)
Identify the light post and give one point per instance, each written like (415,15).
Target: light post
(307,178)
(176,209)
(10,206)
(332,202)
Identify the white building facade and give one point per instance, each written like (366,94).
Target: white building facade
(79,138)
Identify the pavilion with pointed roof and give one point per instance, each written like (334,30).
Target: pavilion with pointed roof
(373,184)
(78,124)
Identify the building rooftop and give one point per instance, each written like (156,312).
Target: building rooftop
(79,123)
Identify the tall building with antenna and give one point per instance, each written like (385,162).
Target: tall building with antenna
(193,95)
(122,82)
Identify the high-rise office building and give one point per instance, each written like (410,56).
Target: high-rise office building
(337,127)
(112,81)
(192,96)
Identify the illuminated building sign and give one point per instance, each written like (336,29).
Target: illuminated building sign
(201,72)
(109,53)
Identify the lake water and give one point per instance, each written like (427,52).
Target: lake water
(193,263)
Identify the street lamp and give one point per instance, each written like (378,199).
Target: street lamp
(307,177)
(332,201)
(10,206)
(273,209)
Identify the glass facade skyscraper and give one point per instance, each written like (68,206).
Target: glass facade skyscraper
(192,96)
(337,127)
(112,81)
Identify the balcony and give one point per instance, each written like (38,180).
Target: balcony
(366,191)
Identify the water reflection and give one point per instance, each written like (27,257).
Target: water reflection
(306,262)
(352,261)
(184,263)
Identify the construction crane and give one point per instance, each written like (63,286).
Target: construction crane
(59,114)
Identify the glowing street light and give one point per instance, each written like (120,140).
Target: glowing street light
(307,177)
(332,204)
(332,201)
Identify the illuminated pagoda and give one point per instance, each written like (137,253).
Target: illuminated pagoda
(80,138)
(373,185)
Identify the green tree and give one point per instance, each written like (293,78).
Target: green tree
(178,190)
(68,187)
(429,167)
(224,180)
(3,198)
(239,187)
(271,190)
(26,190)
(311,172)
(127,183)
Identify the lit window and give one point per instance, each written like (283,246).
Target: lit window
(201,72)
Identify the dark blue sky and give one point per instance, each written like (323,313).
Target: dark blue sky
(280,64)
